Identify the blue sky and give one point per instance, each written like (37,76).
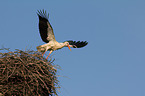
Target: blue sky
(112,64)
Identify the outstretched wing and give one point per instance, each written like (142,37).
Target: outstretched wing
(77,44)
(45,29)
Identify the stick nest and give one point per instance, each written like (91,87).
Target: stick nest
(26,73)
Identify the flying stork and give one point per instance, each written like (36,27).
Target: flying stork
(47,35)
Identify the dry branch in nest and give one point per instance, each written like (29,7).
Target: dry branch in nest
(26,73)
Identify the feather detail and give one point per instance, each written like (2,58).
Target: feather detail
(77,44)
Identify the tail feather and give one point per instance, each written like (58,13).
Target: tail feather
(41,49)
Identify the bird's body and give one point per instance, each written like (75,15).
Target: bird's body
(52,45)
(47,35)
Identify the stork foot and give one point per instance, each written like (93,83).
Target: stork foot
(47,57)
(44,53)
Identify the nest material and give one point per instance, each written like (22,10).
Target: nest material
(26,73)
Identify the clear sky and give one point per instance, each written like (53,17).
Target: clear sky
(113,62)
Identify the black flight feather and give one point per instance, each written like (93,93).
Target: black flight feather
(77,44)
(45,28)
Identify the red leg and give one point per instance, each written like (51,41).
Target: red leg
(44,53)
(49,54)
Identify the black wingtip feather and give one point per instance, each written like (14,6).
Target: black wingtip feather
(42,15)
(77,44)
(43,27)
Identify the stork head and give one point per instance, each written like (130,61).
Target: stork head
(66,44)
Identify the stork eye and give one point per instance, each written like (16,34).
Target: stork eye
(66,43)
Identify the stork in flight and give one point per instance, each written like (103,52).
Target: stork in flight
(47,35)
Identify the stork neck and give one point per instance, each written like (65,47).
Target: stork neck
(63,44)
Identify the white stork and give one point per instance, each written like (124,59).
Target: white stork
(47,35)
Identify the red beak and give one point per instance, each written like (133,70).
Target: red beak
(68,47)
